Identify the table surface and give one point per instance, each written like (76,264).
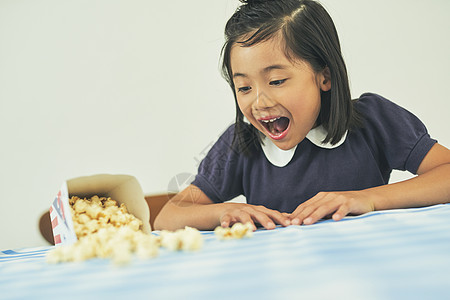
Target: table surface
(396,254)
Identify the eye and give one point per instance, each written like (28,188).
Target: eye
(244,89)
(277,82)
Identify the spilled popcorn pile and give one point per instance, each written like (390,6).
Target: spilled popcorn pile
(237,231)
(116,243)
(106,230)
(189,239)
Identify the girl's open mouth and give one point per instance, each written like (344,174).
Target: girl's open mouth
(276,127)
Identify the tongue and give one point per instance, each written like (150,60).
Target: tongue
(281,124)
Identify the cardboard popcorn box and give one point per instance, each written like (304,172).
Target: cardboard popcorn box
(122,188)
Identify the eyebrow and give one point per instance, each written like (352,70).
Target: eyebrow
(264,71)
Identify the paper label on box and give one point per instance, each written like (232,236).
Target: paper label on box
(61,217)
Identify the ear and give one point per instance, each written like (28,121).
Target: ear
(325,79)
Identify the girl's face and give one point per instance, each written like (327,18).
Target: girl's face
(281,98)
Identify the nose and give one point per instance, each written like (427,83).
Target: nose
(262,101)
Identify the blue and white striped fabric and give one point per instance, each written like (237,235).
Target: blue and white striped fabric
(398,254)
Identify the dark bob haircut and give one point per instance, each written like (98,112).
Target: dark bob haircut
(309,34)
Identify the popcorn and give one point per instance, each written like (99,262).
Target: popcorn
(170,240)
(106,230)
(89,215)
(237,231)
(191,239)
(188,239)
(112,242)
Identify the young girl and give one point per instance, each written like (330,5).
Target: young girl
(301,149)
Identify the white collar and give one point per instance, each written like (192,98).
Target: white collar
(281,158)
(318,134)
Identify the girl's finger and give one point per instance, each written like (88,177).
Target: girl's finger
(318,214)
(306,208)
(299,217)
(276,216)
(341,212)
(244,218)
(225,221)
(263,219)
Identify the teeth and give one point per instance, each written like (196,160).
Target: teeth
(270,121)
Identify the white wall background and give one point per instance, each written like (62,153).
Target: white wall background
(114,86)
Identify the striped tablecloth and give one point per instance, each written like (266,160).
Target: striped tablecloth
(397,254)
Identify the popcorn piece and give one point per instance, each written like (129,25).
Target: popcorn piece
(121,253)
(135,224)
(170,240)
(191,239)
(237,231)
(188,239)
(95,200)
(123,208)
(223,233)
(83,218)
(80,206)
(109,202)
(61,253)
(147,248)
(93,211)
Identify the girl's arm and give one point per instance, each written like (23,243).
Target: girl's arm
(431,186)
(193,208)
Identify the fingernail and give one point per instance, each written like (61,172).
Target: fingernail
(295,221)
(307,221)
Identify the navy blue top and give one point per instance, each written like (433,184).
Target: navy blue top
(390,138)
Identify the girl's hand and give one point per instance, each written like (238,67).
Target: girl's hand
(336,204)
(243,213)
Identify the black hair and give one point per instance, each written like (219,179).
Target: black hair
(309,34)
